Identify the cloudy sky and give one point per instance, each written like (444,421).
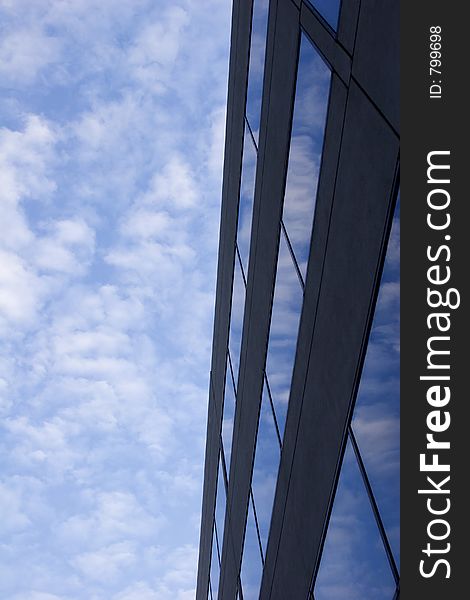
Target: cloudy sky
(111,143)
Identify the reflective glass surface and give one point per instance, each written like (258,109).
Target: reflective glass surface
(287,306)
(329,10)
(245,206)
(256,68)
(376,418)
(252,566)
(229,414)
(215,565)
(236,318)
(266,466)
(220,505)
(308,128)
(354,564)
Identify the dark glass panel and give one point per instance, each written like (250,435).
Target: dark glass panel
(245,206)
(354,564)
(376,419)
(252,566)
(256,68)
(308,129)
(287,306)
(266,466)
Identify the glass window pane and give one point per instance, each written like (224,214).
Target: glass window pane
(354,564)
(308,129)
(376,419)
(229,413)
(256,69)
(236,319)
(252,566)
(215,565)
(329,10)
(220,505)
(245,206)
(210,590)
(266,466)
(287,306)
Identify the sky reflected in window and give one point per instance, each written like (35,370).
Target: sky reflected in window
(265,468)
(236,319)
(210,596)
(308,128)
(376,419)
(256,68)
(215,566)
(245,206)
(354,564)
(229,414)
(220,504)
(252,566)
(287,306)
(329,10)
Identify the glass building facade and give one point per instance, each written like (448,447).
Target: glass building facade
(301,480)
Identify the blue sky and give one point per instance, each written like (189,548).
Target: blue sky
(111,145)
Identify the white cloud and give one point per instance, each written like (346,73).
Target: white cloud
(153,54)
(106,564)
(25,53)
(13,518)
(21,289)
(30,252)
(25,158)
(138,591)
(68,248)
(174,185)
(180,561)
(34,595)
(216,148)
(144,223)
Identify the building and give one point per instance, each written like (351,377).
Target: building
(301,487)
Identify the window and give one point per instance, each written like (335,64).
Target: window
(354,563)
(376,418)
(229,411)
(266,467)
(308,129)
(245,205)
(215,563)
(256,68)
(236,319)
(358,560)
(252,562)
(329,10)
(287,306)
(221,502)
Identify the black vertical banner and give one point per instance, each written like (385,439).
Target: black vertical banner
(435,248)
